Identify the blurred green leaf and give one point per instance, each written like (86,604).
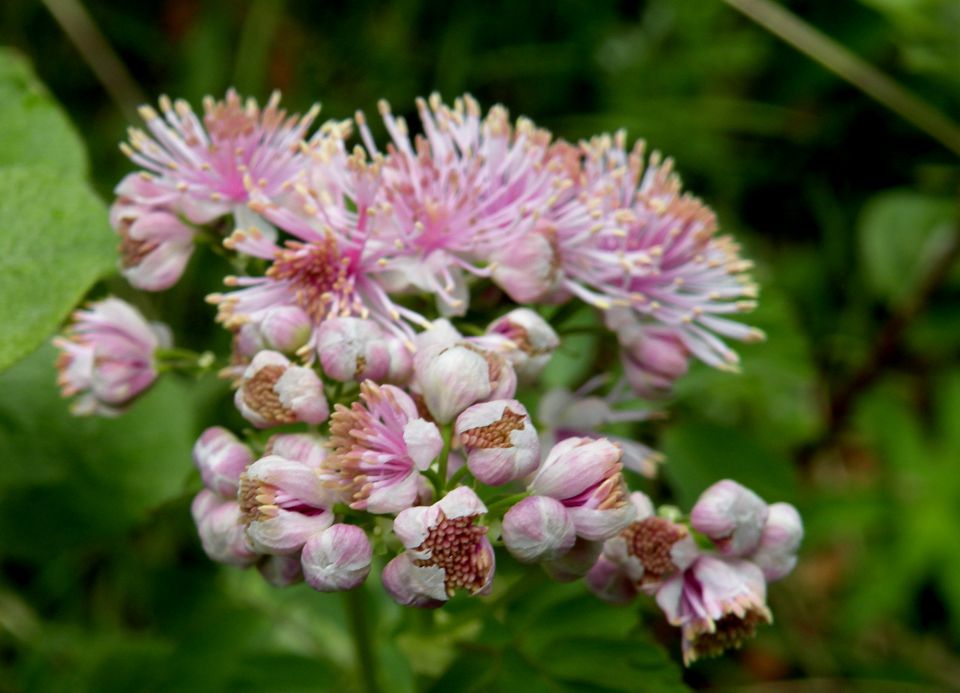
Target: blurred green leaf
(901,232)
(54,244)
(35,129)
(65,480)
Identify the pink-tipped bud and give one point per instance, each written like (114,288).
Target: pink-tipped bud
(221,459)
(220,526)
(402,580)
(575,563)
(779,542)
(274,392)
(608,581)
(534,341)
(538,528)
(247,342)
(400,368)
(732,516)
(155,246)
(500,441)
(302,447)
(451,378)
(526,270)
(337,559)
(353,349)
(653,359)
(286,329)
(585,475)
(280,571)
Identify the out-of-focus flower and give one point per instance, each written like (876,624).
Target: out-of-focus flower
(284,502)
(220,526)
(445,551)
(273,392)
(155,245)
(575,563)
(718,603)
(221,459)
(564,414)
(584,475)
(777,553)
(280,571)
(500,441)
(538,528)
(380,445)
(732,516)
(337,559)
(107,356)
(533,341)
(609,582)
(285,329)
(653,357)
(651,548)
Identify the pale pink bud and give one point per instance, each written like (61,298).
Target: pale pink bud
(585,475)
(303,447)
(404,582)
(286,329)
(575,563)
(284,502)
(107,357)
(534,341)
(732,516)
(451,378)
(273,392)
(538,528)
(447,550)
(400,368)
(353,349)
(653,359)
(337,559)
(221,459)
(280,571)
(155,246)
(247,342)
(220,526)
(500,441)
(608,581)
(526,270)
(777,553)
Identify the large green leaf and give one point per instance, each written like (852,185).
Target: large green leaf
(68,481)
(35,129)
(54,244)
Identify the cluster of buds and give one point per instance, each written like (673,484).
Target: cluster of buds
(384,423)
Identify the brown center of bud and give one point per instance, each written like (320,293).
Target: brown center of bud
(651,541)
(731,632)
(322,278)
(454,545)
(255,499)
(497,434)
(260,394)
(495,363)
(132,250)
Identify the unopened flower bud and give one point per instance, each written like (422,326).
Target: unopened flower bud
(221,459)
(608,581)
(274,392)
(500,441)
(777,553)
(155,246)
(585,475)
(403,581)
(286,329)
(538,528)
(400,368)
(280,571)
(220,526)
(337,559)
(451,378)
(732,516)
(653,359)
(353,349)
(533,338)
(302,447)
(526,270)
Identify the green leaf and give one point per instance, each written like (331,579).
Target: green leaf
(54,244)
(66,481)
(35,129)
(901,233)
(699,454)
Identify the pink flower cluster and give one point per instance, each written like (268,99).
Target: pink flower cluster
(379,428)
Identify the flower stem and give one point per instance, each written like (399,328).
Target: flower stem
(356,605)
(505,502)
(447,432)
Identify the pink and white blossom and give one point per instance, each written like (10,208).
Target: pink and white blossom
(273,391)
(538,528)
(337,559)
(221,458)
(220,526)
(354,349)
(379,447)
(732,516)
(107,357)
(532,339)
(780,540)
(500,441)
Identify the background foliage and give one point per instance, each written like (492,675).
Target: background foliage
(851,409)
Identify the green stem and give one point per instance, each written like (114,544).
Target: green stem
(447,432)
(494,507)
(458,475)
(356,605)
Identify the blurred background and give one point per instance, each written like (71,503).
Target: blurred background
(851,409)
